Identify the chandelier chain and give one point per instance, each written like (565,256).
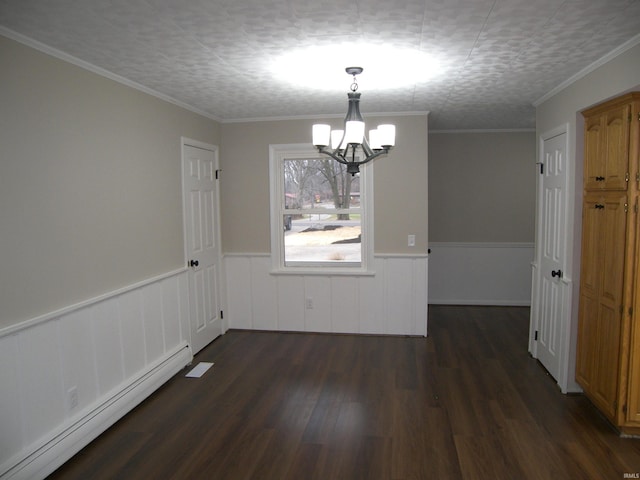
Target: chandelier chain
(354,85)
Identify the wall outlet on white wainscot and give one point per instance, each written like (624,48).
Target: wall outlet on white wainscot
(309,303)
(72,397)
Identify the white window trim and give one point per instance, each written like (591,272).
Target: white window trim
(277,154)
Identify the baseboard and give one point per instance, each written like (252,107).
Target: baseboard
(495,303)
(62,445)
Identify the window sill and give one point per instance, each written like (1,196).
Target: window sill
(328,271)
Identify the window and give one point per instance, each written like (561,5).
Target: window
(321,216)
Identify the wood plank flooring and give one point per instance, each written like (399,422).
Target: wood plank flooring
(468,402)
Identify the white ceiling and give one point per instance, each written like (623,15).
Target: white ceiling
(498,56)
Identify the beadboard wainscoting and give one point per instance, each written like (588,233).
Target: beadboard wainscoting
(480,273)
(393,301)
(69,375)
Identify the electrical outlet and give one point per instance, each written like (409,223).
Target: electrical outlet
(72,395)
(309,303)
(411,241)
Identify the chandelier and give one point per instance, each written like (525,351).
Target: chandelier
(350,146)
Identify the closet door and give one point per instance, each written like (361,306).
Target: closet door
(603,244)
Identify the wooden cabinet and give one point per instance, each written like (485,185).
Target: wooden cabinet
(608,354)
(606,148)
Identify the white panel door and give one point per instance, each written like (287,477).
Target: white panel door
(200,192)
(552,241)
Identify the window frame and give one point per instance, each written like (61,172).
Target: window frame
(278,153)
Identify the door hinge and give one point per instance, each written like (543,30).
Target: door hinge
(626,177)
(626,207)
(221,314)
(541,167)
(535,336)
(218,173)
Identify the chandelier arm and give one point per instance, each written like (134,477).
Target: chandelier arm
(341,159)
(336,156)
(375,155)
(366,148)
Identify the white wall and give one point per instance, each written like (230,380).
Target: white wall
(391,302)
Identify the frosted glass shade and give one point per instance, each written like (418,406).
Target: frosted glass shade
(354,132)
(374,139)
(321,134)
(387,135)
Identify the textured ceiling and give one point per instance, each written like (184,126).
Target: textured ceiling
(499,56)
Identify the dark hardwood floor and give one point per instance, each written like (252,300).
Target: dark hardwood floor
(468,402)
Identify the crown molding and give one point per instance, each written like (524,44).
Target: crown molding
(629,44)
(54,52)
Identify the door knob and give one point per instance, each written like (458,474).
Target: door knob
(194,263)
(556,273)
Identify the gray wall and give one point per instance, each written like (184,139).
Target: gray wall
(482,187)
(400,183)
(90,183)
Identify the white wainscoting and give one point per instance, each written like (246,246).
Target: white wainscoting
(114,351)
(480,273)
(391,302)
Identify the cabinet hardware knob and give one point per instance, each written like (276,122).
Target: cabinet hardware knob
(600,179)
(599,206)
(194,263)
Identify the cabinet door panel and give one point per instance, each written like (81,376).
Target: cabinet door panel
(616,148)
(612,248)
(606,149)
(593,168)
(591,268)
